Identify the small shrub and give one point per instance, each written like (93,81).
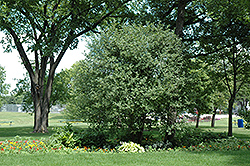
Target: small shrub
(70,137)
(131,147)
(159,145)
(64,136)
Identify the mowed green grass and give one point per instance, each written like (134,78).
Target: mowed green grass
(180,158)
(222,126)
(26,119)
(23,125)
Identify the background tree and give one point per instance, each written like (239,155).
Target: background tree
(218,25)
(47,29)
(131,73)
(243,97)
(60,91)
(218,103)
(200,90)
(13,99)
(3,87)
(23,90)
(181,16)
(226,46)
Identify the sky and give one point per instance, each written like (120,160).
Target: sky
(14,69)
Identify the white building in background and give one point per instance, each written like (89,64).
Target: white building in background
(11,108)
(19,108)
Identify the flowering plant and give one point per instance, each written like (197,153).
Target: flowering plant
(26,146)
(231,143)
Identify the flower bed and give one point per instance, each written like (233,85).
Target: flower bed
(221,145)
(28,146)
(19,145)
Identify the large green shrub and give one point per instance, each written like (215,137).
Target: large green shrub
(132,73)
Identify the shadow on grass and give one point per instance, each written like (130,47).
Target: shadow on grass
(237,132)
(24,131)
(240,157)
(242,136)
(57,117)
(211,128)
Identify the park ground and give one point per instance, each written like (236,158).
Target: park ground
(22,127)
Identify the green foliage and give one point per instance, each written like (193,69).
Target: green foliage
(187,135)
(131,147)
(13,99)
(200,87)
(226,49)
(23,89)
(3,87)
(130,72)
(61,88)
(64,136)
(60,91)
(70,137)
(158,146)
(47,29)
(93,138)
(229,144)
(59,22)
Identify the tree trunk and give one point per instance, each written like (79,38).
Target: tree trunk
(213,117)
(197,120)
(230,117)
(40,94)
(136,135)
(41,114)
(243,104)
(41,97)
(180,18)
(140,133)
(171,120)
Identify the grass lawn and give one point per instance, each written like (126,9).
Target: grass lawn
(222,126)
(23,127)
(156,158)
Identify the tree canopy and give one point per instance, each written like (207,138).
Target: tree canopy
(46,29)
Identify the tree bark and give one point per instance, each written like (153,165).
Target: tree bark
(197,120)
(41,106)
(213,117)
(41,94)
(230,117)
(171,120)
(180,18)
